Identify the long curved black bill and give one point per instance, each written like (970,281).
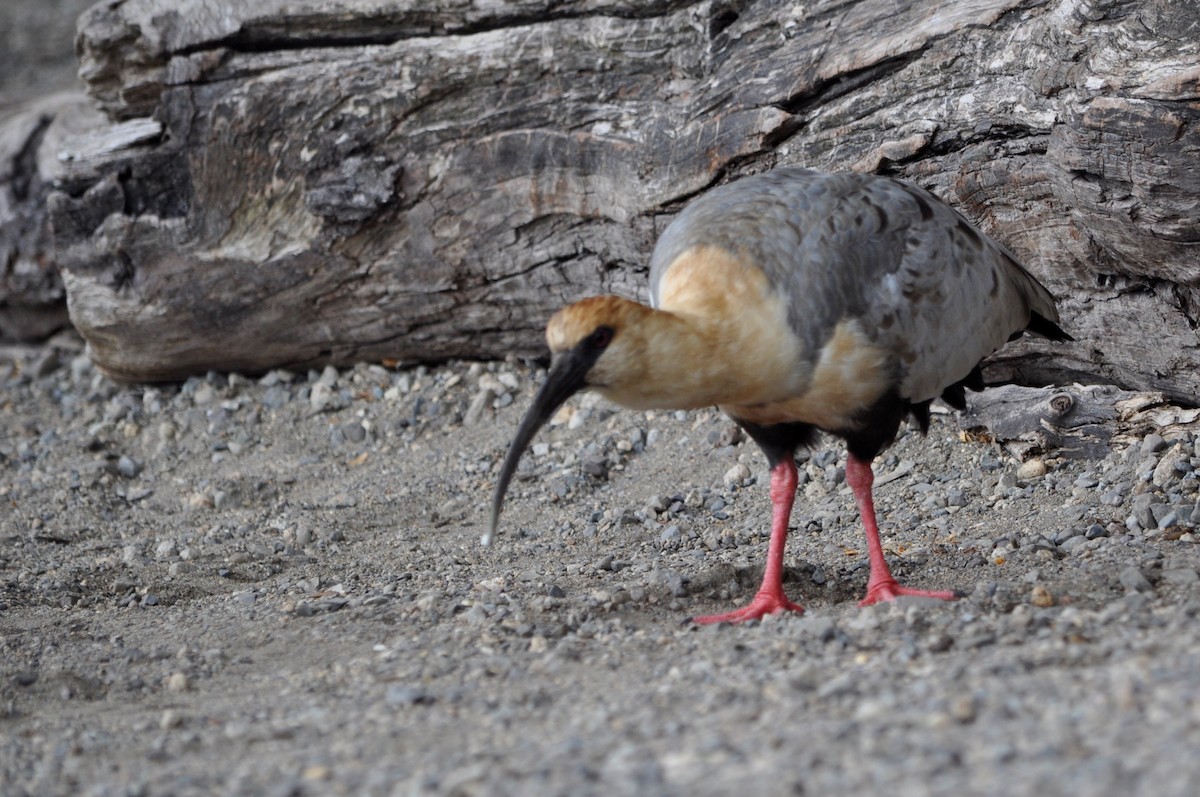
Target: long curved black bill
(566,377)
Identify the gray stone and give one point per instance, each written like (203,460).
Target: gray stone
(1066,534)
(1142,511)
(1072,543)
(1133,580)
(1167,469)
(1181,576)
(482,400)
(1153,443)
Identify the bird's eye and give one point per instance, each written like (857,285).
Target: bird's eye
(600,339)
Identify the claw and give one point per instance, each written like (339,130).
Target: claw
(890,589)
(764,603)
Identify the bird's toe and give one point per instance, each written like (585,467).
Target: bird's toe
(889,590)
(764,603)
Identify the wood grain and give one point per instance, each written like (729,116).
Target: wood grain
(421,181)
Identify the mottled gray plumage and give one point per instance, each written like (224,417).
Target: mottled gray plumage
(798,302)
(923,281)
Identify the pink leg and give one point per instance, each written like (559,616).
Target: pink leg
(881,585)
(770,597)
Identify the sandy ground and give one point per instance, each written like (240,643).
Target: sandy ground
(274,586)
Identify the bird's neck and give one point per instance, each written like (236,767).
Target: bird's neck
(717,355)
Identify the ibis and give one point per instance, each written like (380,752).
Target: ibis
(800,302)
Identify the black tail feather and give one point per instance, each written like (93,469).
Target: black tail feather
(920,411)
(956,395)
(1040,325)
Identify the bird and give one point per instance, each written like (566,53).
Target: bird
(800,302)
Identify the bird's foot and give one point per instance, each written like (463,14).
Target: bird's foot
(889,589)
(764,603)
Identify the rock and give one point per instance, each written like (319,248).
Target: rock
(205,394)
(1181,576)
(177,682)
(737,476)
(199,500)
(1066,534)
(1166,470)
(1071,544)
(1031,469)
(404,695)
(1164,515)
(320,397)
(482,400)
(729,435)
(1143,510)
(47,363)
(594,463)
(353,432)
(328,377)
(1168,519)
(1133,580)
(1153,443)
(1041,597)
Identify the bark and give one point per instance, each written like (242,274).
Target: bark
(1076,421)
(426,180)
(37,73)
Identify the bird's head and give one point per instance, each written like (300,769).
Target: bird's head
(596,343)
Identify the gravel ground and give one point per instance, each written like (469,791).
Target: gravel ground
(274,586)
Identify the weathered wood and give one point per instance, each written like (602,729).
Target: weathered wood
(1076,421)
(420,180)
(37,66)
(32,298)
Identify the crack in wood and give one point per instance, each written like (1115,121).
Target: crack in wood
(833,88)
(265,38)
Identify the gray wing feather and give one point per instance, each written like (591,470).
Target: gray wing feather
(923,281)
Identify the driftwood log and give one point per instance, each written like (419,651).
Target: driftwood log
(39,99)
(1075,421)
(292,182)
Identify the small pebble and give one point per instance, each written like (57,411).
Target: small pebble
(479,404)
(1181,576)
(1133,580)
(1031,469)
(1143,510)
(1168,468)
(736,476)
(1041,597)
(204,395)
(320,397)
(404,695)
(177,682)
(1153,443)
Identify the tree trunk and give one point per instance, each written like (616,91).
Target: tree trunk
(292,183)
